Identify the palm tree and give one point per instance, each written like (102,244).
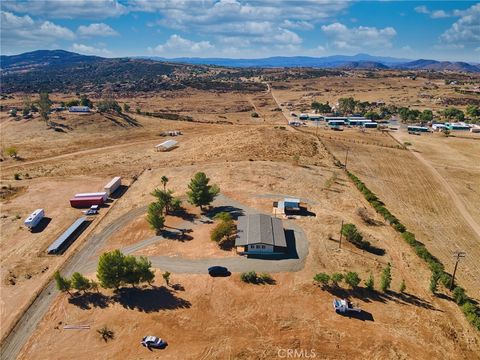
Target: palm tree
(164,181)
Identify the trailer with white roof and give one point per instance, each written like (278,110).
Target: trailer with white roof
(113,185)
(34,218)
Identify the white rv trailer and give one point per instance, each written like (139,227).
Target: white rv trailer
(34,218)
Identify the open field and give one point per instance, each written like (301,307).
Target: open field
(417,197)
(254,161)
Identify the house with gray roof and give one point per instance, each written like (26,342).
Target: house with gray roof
(260,234)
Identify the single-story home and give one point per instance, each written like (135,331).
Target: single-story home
(260,234)
(166,145)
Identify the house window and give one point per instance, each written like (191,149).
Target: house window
(263,246)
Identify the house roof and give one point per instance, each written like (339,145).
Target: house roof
(260,229)
(168,144)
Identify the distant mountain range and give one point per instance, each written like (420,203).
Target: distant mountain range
(61,58)
(359,61)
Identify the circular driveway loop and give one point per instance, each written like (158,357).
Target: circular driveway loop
(177,264)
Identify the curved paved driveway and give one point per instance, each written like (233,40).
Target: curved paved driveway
(177,264)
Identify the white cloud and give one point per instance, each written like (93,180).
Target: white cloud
(98,29)
(19,32)
(71,9)
(359,38)
(179,46)
(422,10)
(90,50)
(439,14)
(259,22)
(465,30)
(434,14)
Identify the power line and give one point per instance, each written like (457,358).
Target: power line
(457,255)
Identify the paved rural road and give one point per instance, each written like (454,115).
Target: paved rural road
(86,260)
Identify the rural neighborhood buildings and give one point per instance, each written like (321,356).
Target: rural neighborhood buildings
(166,145)
(260,234)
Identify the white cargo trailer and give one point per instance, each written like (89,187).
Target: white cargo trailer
(94,194)
(113,185)
(34,218)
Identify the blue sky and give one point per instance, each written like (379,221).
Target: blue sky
(443,30)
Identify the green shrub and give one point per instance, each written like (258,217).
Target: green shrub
(265,278)
(249,277)
(459,295)
(352,279)
(370,282)
(353,235)
(386,278)
(322,278)
(336,278)
(403,286)
(17,176)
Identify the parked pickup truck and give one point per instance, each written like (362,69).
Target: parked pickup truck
(343,306)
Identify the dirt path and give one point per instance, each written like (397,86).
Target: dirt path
(276,102)
(77,153)
(456,200)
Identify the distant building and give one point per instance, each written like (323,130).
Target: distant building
(260,234)
(79,109)
(166,145)
(413,128)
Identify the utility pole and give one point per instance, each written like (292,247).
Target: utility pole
(316,130)
(346,158)
(340,243)
(457,255)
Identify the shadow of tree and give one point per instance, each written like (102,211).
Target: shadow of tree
(232,210)
(177,234)
(373,295)
(89,299)
(149,300)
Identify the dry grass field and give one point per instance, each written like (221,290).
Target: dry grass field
(254,161)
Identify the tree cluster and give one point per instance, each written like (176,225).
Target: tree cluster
(116,269)
(165,204)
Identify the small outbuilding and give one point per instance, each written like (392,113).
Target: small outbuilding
(260,234)
(79,109)
(166,145)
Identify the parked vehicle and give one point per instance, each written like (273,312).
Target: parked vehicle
(92,211)
(344,306)
(153,342)
(218,271)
